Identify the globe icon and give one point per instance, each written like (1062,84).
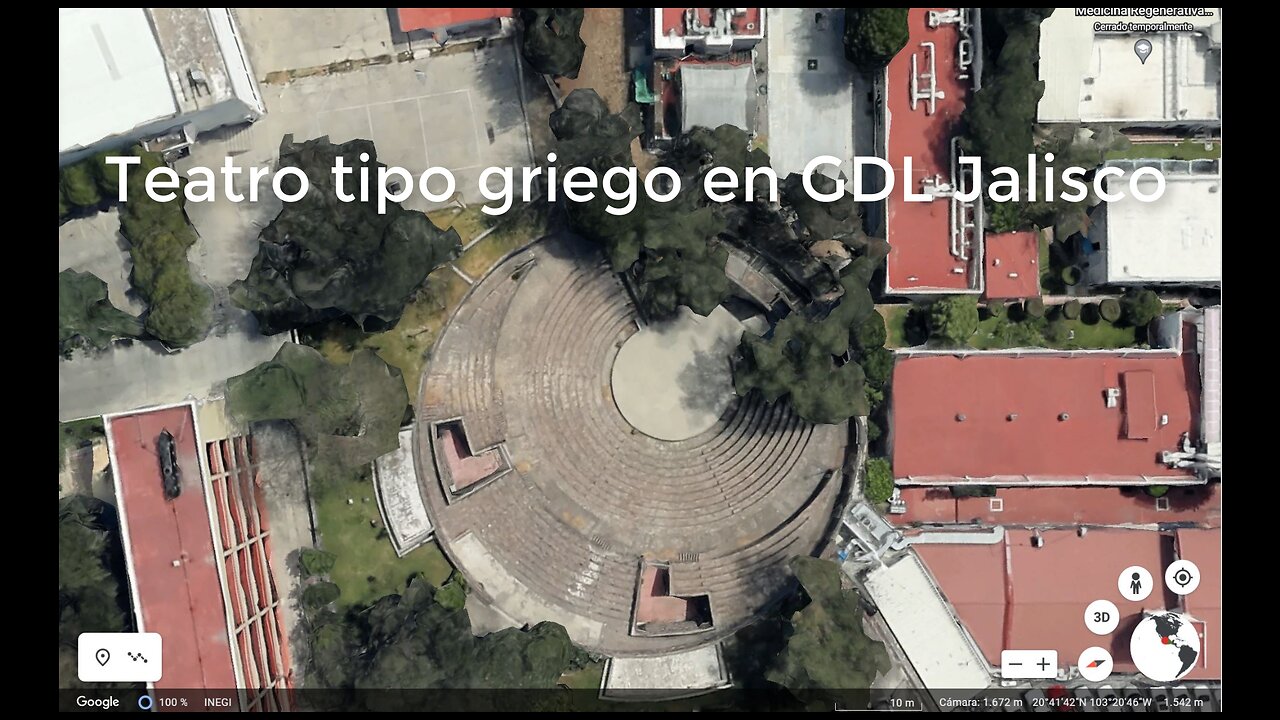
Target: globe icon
(1165,646)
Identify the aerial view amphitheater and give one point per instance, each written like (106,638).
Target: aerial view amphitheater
(584,467)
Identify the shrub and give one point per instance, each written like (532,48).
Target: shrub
(453,594)
(1071,309)
(1109,310)
(879,481)
(316,562)
(80,186)
(1157,490)
(997,309)
(1071,275)
(873,431)
(871,333)
(1033,307)
(320,594)
(953,319)
(1056,332)
(1141,307)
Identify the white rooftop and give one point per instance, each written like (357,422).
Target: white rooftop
(1177,238)
(399,500)
(1097,77)
(922,623)
(111,75)
(681,674)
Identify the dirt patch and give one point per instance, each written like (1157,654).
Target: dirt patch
(602,66)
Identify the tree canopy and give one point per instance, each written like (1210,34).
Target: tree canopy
(669,248)
(419,640)
(1001,116)
(798,359)
(91,593)
(347,414)
(1141,307)
(826,648)
(872,36)
(322,258)
(879,480)
(159,236)
(551,43)
(953,319)
(86,318)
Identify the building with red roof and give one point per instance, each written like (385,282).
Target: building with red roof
(935,246)
(1029,590)
(1032,417)
(1011,265)
(198,564)
(453,23)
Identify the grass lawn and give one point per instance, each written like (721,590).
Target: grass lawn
(469,223)
(1189,150)
(588,678)
(895,319)
(77,433)
(1002,333)
(367,566)
(516,228)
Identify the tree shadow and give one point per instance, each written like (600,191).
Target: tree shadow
(707,381)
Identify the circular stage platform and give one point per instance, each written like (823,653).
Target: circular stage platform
(555,503)
(672,379)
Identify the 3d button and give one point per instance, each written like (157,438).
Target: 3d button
(1101,617)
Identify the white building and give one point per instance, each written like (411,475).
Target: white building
(1092,73)
(1176,239)
(127,74)
(710,31)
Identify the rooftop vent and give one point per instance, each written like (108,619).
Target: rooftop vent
(959,417)
(1082,531)
(1013,416)
(1037,541)
(1063,417)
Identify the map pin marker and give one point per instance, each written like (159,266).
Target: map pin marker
(1142,49)
(103,656)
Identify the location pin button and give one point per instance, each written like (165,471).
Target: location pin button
(103,656)
(1142,49)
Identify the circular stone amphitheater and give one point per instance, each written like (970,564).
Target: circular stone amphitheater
(580,469)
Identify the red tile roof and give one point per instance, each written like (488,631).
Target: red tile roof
(1012,595)
(919,233)
(442,18)
(1010,419)
(1012,265)
(182,602)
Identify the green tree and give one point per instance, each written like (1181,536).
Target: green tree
(798,359)
(879,474)
(348,415)
(1109,310)
(159,237)
(64,206)
(954,319)
(826,647)
(1033,307)
(86,318)
(1000,117)
(322,259)
(1140,307)
(316,562)
(91,585)
(79,186)
(877,365)
(320,594)
(453,594)
(1071,309)
(872,36)
(551,41)
(872,333)
(1157,490)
